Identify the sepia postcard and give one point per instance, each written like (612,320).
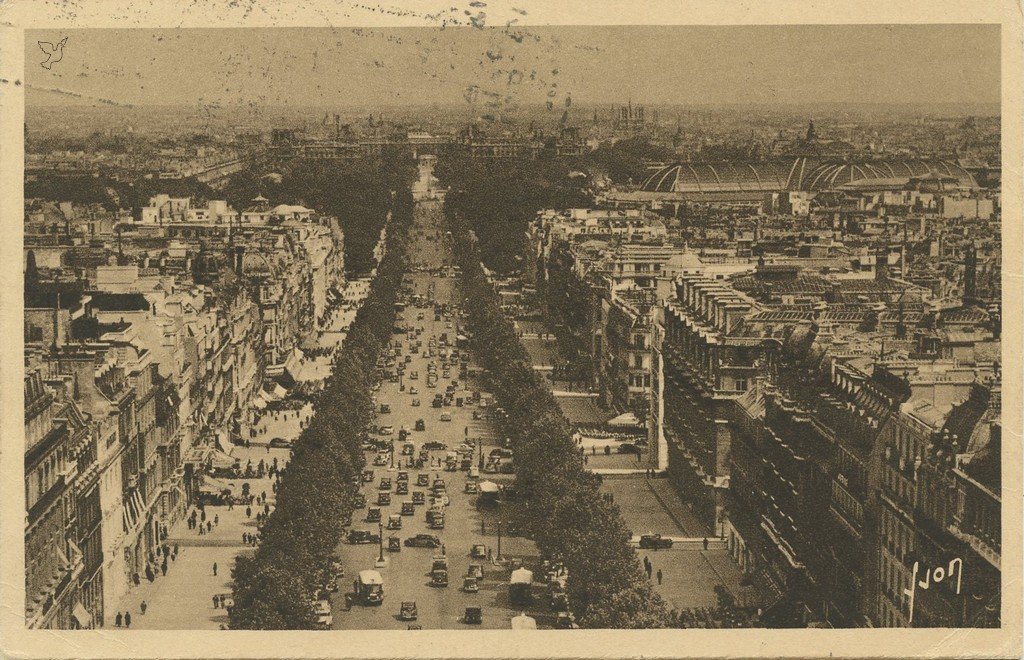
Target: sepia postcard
(510,329)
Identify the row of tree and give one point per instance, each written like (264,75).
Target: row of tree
(354,191)
(558,501)
(275,589)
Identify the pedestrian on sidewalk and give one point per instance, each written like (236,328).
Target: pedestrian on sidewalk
(659,576)
(202,516)
(143,607)
(216,520)
(483,527)
(248,512)
(127,619)
(214,568)
(201,531)
(175,550)
(705,543)
(117,620)
(163,566)
(215,602)
(648,568)
(209,526)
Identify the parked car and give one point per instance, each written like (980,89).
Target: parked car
(423,541)
(385,484)
(373,514)
(323,613)
(654,542)
(386,430)
(415,402)
(434,445)
(627,448)
(421,425)
(422,479)
(402,488)
(394,544)
(478,551)
(384,499)
(408,508)
(418,497)
(473,615)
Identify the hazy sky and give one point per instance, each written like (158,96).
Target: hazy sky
(397,66)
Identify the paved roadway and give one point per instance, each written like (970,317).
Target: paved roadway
(406,574)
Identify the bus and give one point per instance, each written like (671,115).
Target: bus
(369,588)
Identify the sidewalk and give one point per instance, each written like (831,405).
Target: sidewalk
(183,599)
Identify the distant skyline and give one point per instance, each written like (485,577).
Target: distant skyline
(497,68)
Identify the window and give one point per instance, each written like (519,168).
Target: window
(741,384)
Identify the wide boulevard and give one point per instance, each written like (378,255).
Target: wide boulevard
(406,574)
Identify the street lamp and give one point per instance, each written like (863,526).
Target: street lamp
(499,539)
(380,539)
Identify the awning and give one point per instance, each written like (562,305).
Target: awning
(219,459)
(625,419)
(284,381)
(215,486)
(81,615)
(131,510)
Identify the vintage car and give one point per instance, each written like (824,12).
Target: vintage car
(408,611)
(655,542)
(362,536)
(423,541)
